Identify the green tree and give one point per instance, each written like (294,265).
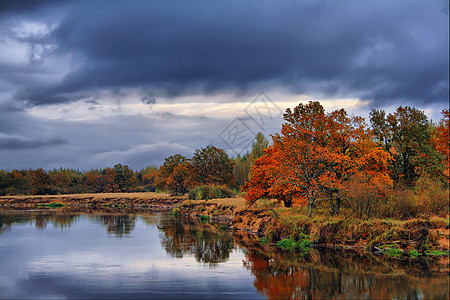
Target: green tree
(241,169)
(258,147)
(6,182)
(211,165)
(124,179)
(406,135)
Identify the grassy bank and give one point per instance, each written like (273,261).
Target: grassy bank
(138,200)
(276,224)
(273,222)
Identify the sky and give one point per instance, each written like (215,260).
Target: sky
(88,84)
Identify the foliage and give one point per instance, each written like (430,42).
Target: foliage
(396,252)
(436,253)
(173,174)
(243,165)
(211,166)
(442,142)
(241,170)
(414,253)
(406,135)
(53,204)
(431,197)
(364,196)
(258,147)
(147,178)
(263,240)
(314,156)
(175,212)
(204,218)
(302,243)
(207,192)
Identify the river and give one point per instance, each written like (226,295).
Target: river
(112,253)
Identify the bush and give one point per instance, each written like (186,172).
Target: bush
(364,199)
(400,205)
(301,243)
(175,212)
(206,192)
(431,197)
(204,218)
(414,253)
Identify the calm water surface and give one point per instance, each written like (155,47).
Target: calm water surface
(127,254)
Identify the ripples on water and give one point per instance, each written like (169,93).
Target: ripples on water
(130,254)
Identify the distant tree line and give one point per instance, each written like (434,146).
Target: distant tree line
(209,166)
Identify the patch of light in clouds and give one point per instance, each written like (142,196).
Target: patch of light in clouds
(221,106)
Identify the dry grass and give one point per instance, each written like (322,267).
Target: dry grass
(238,202)
(100,196)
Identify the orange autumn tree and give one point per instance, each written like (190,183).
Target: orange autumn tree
(313,157)
(442,141)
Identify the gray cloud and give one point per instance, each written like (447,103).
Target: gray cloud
(387,52)
(9,143)
(378,50)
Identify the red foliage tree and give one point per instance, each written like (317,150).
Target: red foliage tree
(313,156)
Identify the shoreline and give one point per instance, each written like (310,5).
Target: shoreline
(367,235)
(124,200)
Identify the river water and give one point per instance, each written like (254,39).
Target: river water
(66,253)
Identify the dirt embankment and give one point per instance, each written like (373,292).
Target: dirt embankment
(418,234)
(137,200)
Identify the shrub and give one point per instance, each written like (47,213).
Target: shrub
(287,244)
(396,252)
(431,197)
(414,253)
(204,218)
(364,197)
(400,205)
(436,253)
(175,212)
(303,243)
(206,192)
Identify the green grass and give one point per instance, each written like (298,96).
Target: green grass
(303,243)
(224,227)
(392,251)
(204,218)
(414,253)
(52,204)
(263,240)
(436,253)
(175,212)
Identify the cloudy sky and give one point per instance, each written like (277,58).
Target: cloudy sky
(86,84)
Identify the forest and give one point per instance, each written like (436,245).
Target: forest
(395,165)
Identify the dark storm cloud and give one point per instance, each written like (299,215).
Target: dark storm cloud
(9,143)
(377,50)
(20,6)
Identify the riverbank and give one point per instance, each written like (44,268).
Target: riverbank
(271,221)
(124,200)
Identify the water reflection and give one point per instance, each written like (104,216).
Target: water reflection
(40,218)
(162,250)
(203,241)
(119,225)
(116,222)
(340,274)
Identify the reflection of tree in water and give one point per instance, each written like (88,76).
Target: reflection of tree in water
(285,276)
(184,237)
(6,220)
(62,219)
(41,219)
(119,225)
